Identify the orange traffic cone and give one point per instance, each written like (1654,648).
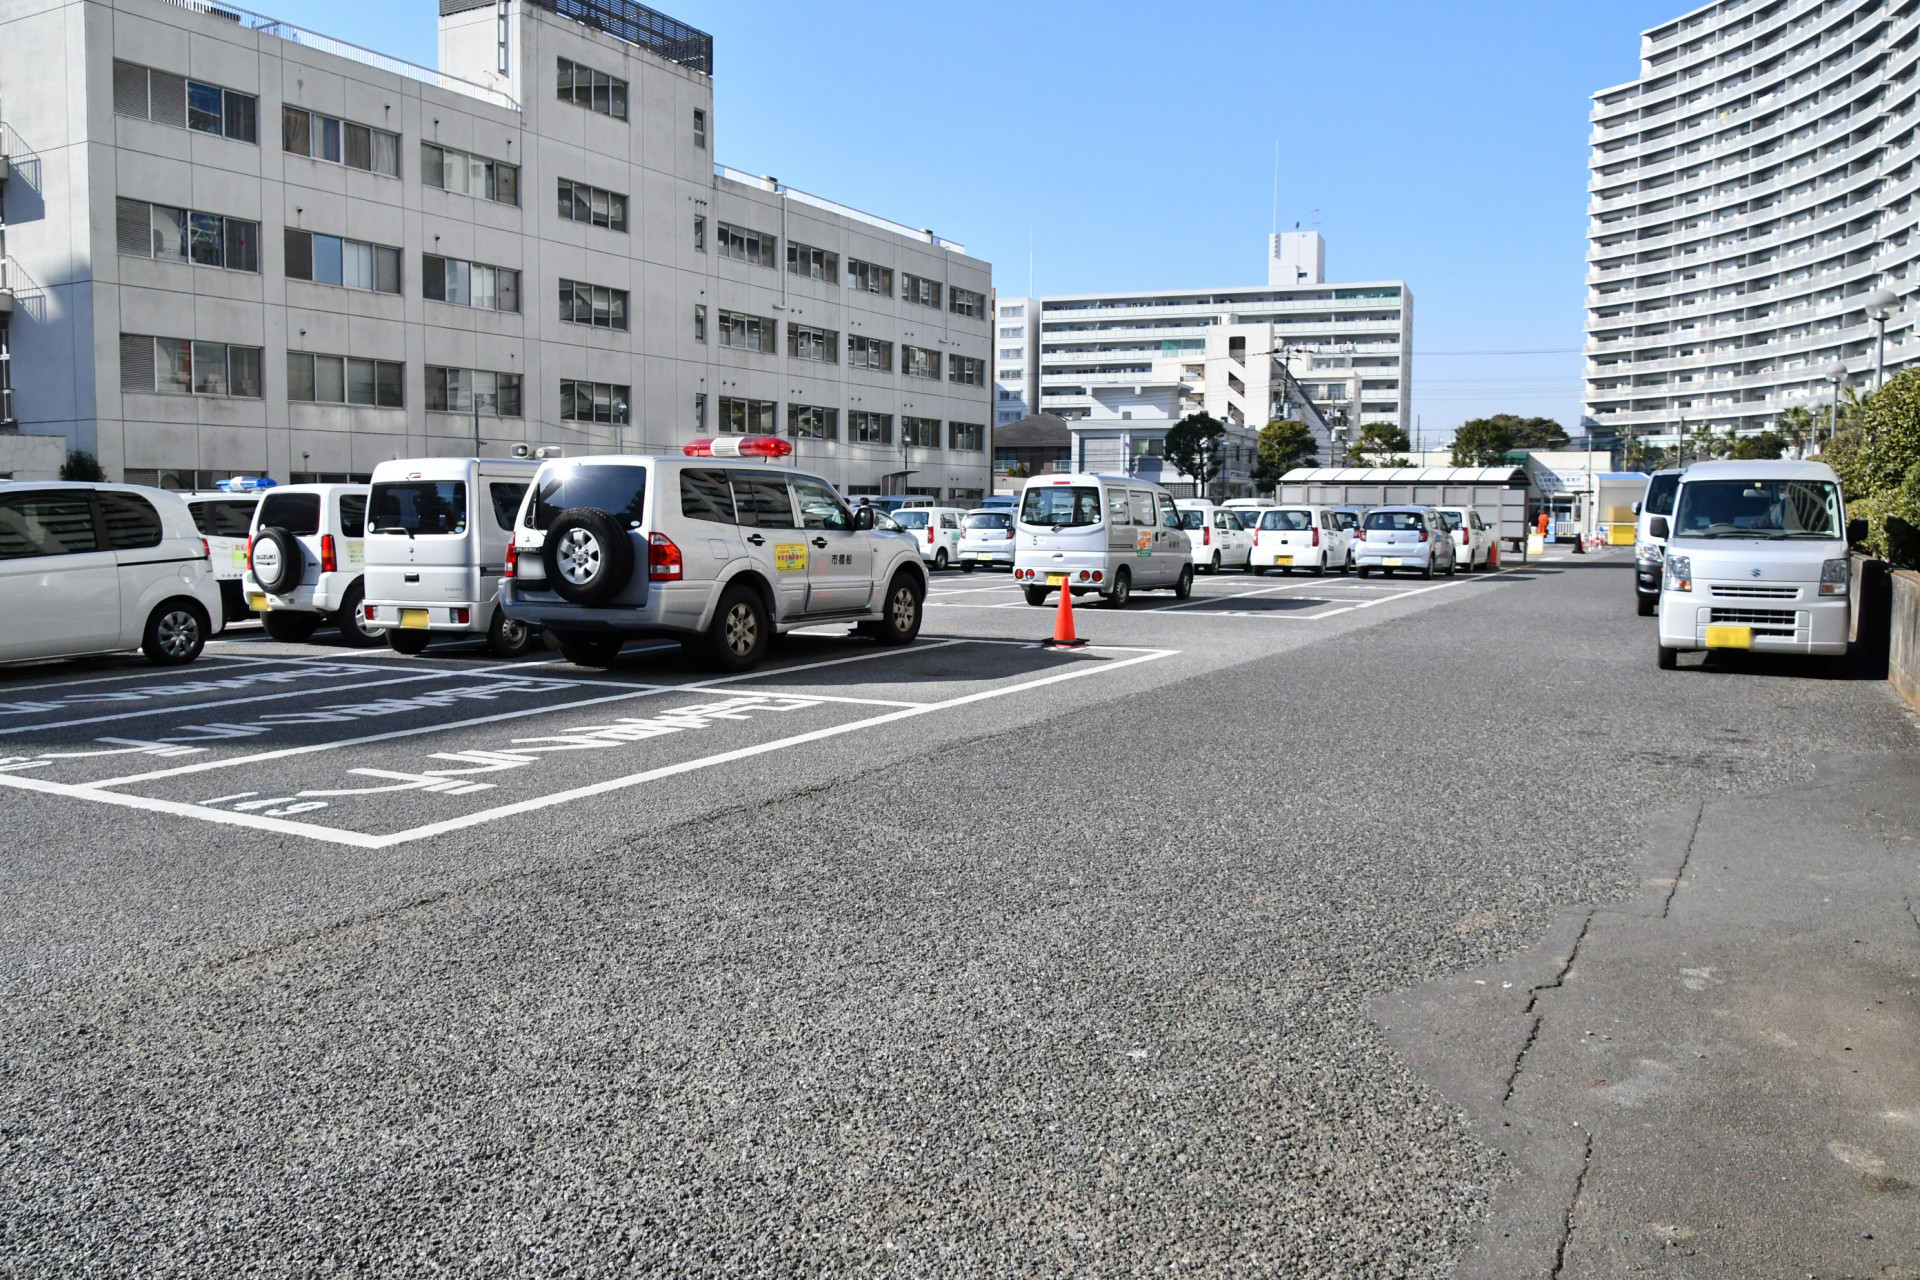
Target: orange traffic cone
(1063,637)
(1493,555)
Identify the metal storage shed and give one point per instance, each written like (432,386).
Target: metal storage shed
(1498,493)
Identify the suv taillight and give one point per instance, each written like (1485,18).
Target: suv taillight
(205,550)
(663,559)
(329,562)
(513,555)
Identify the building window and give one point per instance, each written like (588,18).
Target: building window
(919,362)
(967,371)
(1012,375)
(869,353)
(1013,331)
(699,411)
(594,90)
(815,264)
(920,433)
(456,390)
(804,343)
(747,417)
(748,333)
(966,436)
(582,203)
(345,380)
(350,264)
(1012,353)
(699,323)
(182,235)
(870,428)
(469,284)
(594,402)
(700,128)
(920,291)
(469,175)
(183,367)
(965,302)
(744,246)
(811,422)
(165,98)
(307,133)
(593,304)
(868,278)
(1014,312)
(700,234)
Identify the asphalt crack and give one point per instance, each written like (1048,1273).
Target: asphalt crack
(1573,1208)
(1533,999)
(1699,811)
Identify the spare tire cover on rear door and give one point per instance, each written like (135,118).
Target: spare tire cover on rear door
(588,556)
(277,561)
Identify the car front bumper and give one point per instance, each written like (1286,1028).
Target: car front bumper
(1646,578)
(1818,626)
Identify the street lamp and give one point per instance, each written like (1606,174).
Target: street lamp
(620,424)
(1836,373)
(1880,305)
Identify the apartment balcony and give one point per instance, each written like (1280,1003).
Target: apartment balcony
(6,288)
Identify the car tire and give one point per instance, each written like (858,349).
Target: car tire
(1213,566)
(1122,589)
(741,632)
(966,566)
(508,638)
(411,643)
(288,627)
(353,625)
(1346,566)
(589,648)
(1320,570)
(940,558)
(1452,565)
(1036,596)
(1646,606)
(1362,570)
(1287,569)
(588,556)
(1669,658)
(1385,572)
(1259,570)
(176,632)
(288,560)
(1183,585)
(902,610)
(1428,571)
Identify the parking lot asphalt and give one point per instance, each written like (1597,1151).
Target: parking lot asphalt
(967,958)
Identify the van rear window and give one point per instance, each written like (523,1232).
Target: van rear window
(910,519)
(1193,519)
(224,517)
(620,491)
(419,507)
(1273,520)
(1396,520)
(1062,505)
(990,520)
(297,513)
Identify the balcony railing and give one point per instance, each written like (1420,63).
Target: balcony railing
(636,24)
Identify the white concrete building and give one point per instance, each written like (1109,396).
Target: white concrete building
(1123,367)
(1016,349)
(234,246)
(1752,193)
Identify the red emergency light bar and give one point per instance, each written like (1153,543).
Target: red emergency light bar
(738,447)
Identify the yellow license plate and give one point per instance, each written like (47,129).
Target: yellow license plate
(1393,562)
(1729,637)
(1056,579)
(413,619)
(257,603)
(1283,559)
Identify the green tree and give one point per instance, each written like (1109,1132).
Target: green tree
(1637,455)
(1889,422)
(1196,446)
(1796,427)
(1483,442)
(1381,444)
(81,465)
(1765,446)
(1284,445)
(1539,433)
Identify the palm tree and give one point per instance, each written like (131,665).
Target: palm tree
(1797,426)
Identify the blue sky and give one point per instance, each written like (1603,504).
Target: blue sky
(1441,144)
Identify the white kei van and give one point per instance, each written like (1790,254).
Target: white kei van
(1756,558)
(1649,551)
(1100,535)
(224,520)
(437,535)
(304,561)
(937,530)
(1221,539)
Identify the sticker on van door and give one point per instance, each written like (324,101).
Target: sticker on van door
(1145,543)
(790,557)
(356,552)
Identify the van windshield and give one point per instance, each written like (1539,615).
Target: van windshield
(1660,491)
(1287,520)
(1060,505)
(1772,509)
(618,490)
(910,519)
(419,507)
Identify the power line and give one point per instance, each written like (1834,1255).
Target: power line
(1524,351)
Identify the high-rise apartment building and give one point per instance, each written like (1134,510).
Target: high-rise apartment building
(1751,201)
(234,246)
(1016,366)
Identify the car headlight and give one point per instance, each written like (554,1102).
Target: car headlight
(1833,578)
(1651,552)
(1679,576)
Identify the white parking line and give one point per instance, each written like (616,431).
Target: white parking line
(147,671)
(362,840)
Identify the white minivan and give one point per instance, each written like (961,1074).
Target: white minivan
(305,560)
(96,568)
(436,551)
(1756,559)
(1220,539)
(1101,535)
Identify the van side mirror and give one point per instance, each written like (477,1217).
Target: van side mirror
(1856,532)
(1636,508)
(1657,528)
(863,518)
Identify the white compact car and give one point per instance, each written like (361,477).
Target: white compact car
(1756,559)
(1100,535)
(1649,552)
(986,540)
(437,534)
(1220,540)
(938,529)
(1307,538)
(714,549)
(225,520)
(98,568)
(1404,539)
(306,559)
(1472,537)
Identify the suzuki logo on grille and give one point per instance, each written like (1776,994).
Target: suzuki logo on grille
(1754,572)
